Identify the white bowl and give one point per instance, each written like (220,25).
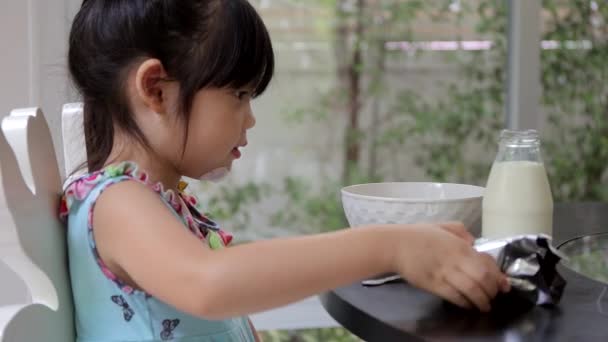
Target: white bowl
(402,203)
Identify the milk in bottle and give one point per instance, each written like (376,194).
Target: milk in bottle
(517,197)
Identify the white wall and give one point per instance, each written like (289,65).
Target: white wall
(33,36)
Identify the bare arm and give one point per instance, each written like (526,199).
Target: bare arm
(137,234)
(139,237)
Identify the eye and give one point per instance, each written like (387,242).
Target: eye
(242,94)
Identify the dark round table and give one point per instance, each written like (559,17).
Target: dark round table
(399,312)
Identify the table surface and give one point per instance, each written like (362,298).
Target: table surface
(399,312)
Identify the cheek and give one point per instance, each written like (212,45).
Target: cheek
(206,136)
(201,154)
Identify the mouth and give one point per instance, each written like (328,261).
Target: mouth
(236,153)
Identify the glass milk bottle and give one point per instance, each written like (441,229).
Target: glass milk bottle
(517,198)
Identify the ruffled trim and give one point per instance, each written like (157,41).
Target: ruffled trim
(79,188)
(185,205)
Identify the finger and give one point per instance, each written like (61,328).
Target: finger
(502,282)
(505,285)
(452,295)
(484,272)
(470,289)
(459,230)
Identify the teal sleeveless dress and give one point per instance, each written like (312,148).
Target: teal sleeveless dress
(106,308)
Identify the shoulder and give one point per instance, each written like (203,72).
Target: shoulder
(79,189)
(125,199)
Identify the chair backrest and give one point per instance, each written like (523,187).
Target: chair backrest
(30,189)
(74,151)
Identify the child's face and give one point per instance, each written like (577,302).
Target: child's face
(218,126)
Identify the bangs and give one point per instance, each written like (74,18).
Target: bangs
(238,51)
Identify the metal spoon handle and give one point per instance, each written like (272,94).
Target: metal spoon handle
(381,281)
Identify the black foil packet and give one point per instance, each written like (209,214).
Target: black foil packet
(529,261)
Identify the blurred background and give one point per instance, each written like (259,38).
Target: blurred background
(406,90)
(372,90)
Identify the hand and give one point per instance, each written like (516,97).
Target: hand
(439,258)
(459,230)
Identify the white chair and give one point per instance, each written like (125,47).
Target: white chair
(74,151)
(30,189)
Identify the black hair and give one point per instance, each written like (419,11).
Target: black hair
(201,43)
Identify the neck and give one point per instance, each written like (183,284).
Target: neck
(158,170)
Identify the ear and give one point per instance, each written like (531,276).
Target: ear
(151,85)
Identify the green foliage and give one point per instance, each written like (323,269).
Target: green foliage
(230,203)
(311,335)
(314,211)
(458,129)
(576,98)
(453,134)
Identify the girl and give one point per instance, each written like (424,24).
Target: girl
(167,86)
